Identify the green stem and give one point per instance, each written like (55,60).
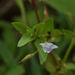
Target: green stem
(68,52)
(22,9)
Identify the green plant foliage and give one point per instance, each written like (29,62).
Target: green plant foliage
(2,69)
(7,50)
(64,21)
(69,73)
(57,35)
(67,34)
(25,31)
(6,55)
(21,27)
(42,55)
(56,26)
(68,51)
(26,38)
(31,22)
(40,29)
(65,6)
(70,66)
(31,16)
(35,67)
(73,38)
(18,70)
(8,35)
(62,46)
(22,9)
(28,56)
(50,65)
(43,28)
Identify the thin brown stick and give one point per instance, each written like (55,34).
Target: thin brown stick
(35,9)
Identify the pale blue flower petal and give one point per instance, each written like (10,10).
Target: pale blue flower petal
(54,47)
(49,50)
(45,45)
(44,50)
(48,47)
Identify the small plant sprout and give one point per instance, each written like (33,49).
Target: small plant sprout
(48,47)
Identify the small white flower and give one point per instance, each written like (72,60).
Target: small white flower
(48,47)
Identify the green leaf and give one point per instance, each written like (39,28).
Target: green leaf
(70,66)
(62,46)
(57,35)
(26,38)
(21,27)
(6,55)
(35,64)
(67,34)
(28,56)
(42,54)
(65,6)
(50,65)
(8,35)
(17,70)
(44,27)
(20,4)
(60,35)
